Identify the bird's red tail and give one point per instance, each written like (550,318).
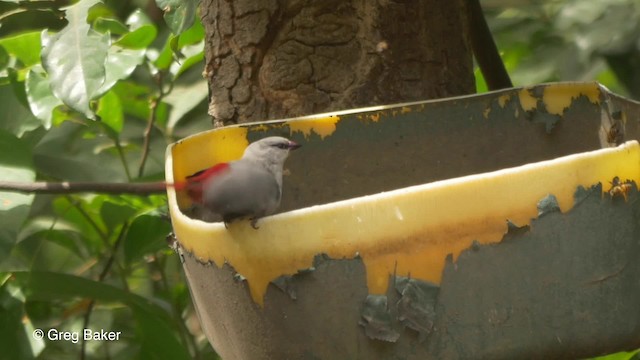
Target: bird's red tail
(193,183)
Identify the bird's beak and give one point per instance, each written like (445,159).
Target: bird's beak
(293,145)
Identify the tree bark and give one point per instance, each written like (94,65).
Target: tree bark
(276,59)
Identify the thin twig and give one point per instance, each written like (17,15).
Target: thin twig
(44,187)
(123,159)
(86,216)
(147,137)
(101,278)
(152,119)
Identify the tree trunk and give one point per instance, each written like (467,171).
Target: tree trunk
(276,59)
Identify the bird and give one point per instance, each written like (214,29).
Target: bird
(247,188)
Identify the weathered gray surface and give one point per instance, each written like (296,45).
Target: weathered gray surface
(567,287)
(441,140)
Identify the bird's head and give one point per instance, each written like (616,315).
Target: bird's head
(272,150)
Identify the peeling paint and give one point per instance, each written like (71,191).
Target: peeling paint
(527,101)
(376,319)
(502,103)
(286,283)
(486,112)
(503,99)
(549,204)
(431,229)
(416,307)
(495,300)
(435,219)
(558,97)
(374,117)
(323,127)
(513,231)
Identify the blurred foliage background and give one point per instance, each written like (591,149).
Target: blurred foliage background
(97,90)
(568,40)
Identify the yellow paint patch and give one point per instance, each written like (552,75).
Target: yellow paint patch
(321,126)
(527,100)
(558,97)
(503,99)
(435,220)
(264,127)
(375,117)
(486,112)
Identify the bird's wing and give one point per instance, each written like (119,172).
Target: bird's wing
(245,190)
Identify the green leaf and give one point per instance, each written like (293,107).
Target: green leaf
(63,153)
(109,25)
(185,98)
(157,339)
(139,38)
(50,285)
(110,111)
(49,244)
(120,64)
(41,99)
(165,58)
(191,60)
(16,329)
(153,320)
(193,35)
(4,58)
(178,14)
(25,47)
(15,117)
(481,84)
(138,19)
(173,45)
(147,234)
(134,98)
(115,213)
(75,59)
(16,164)
(83,219)
(61,114)
(619,356)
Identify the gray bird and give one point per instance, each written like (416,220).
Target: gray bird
(250,187)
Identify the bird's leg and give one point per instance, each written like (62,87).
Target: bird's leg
(254,222)
(228,219)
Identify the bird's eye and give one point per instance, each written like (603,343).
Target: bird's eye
(281,146)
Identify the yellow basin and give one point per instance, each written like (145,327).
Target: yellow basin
(405,190)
